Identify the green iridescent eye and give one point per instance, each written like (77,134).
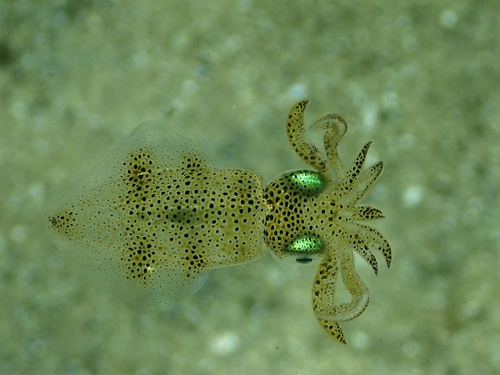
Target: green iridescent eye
(306,245)
(308,181)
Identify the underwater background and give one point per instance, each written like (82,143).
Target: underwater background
(420,79)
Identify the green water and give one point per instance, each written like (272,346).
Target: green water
(420,79)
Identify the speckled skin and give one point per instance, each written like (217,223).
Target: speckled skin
(153,216)
(331,214)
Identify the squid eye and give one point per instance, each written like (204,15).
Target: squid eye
(306,248)
(308,181)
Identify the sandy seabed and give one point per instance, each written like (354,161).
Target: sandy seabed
(420,79)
